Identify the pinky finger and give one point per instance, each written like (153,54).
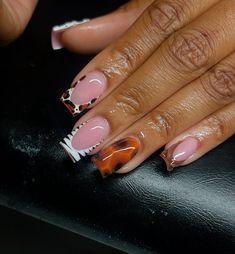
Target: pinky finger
(201,138)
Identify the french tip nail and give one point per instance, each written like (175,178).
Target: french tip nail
(167,161)
(179,152)
(56,40)
(57,31)
(85,92)
(67,152)
(72,108)
(85,138)
(57,48)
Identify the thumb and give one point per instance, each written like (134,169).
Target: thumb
(96,34)
(14,17)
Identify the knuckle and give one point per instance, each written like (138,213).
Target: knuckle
(217,124)
(131,102)
(165,16)
(191,50)
(163,123)
(220,83)
(122,59)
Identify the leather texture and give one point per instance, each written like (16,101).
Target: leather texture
(147,211)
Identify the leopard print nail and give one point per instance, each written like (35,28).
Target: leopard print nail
(74,108)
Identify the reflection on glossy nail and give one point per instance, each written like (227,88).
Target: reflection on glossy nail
(85,92)
(86,137)
(115,156)
(178,153)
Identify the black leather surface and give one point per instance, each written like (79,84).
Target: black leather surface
(23,234)
(146,211)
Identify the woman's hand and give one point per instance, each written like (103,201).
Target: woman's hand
(14,17)
(168,80)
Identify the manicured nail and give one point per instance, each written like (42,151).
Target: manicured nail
(84,92)
(180,152)
(57,31)
(86,137)
(115,156)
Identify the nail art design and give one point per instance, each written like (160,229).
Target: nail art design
(75,155)
(115,156)
(85,92)
(57,30)
(175,155)
(86,137)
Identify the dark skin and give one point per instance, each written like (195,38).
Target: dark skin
(177,81)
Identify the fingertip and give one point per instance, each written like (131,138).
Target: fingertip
(98,33)
(81,40)
(92,36)
(56,42)
(57,33)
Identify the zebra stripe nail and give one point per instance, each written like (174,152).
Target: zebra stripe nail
(86,137)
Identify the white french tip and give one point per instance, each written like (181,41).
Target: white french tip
(55,41)
(66,148)
(74,154)
(57,30)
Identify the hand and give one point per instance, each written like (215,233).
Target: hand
(14,17)
(169,79)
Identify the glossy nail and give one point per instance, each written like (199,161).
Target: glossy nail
(84,92)
(115,156)
(57,31)
(180,152)
(86,137)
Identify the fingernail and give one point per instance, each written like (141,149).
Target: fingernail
(86,137)
(57,31)
(84,92)
(180,152)
(115,156)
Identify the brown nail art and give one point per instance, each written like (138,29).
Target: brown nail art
(115,156)
(178,153)
(84,92)
(83,77)
(74,84)
(72,107)
(167,156)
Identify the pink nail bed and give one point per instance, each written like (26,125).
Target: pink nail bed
(58,30)
(86,137)
(180,152)
(84,92)
(185,149)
